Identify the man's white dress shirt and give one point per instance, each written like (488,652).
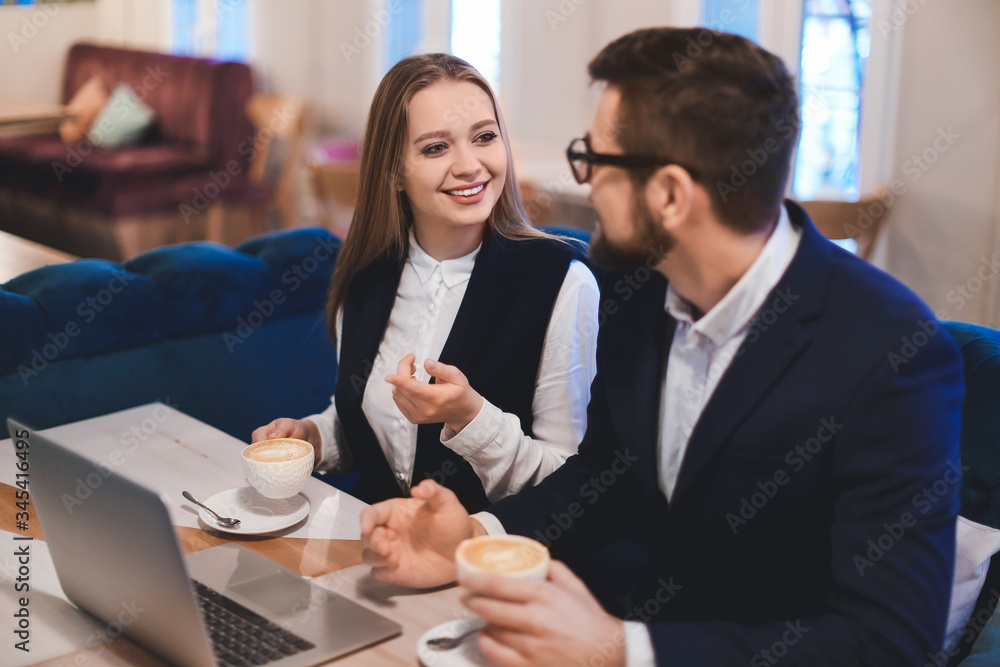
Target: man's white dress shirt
(505,459)
(700,354)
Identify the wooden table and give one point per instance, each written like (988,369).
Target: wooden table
(19,118)
(177,452)
(19,256)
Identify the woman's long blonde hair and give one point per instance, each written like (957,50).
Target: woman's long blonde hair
(382,217)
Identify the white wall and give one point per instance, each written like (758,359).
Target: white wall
(34,45)
(309,48)
(137,24)
(946,222)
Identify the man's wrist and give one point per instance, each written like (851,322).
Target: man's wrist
(478,529)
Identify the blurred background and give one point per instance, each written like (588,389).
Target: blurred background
(900,100)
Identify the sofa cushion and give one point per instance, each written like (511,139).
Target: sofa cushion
(980,422)
(975,545)
(301,263)
(207,286)
(16,342)
(85,107)
(124,120)
(92,306)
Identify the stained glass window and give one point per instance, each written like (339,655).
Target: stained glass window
(836,40)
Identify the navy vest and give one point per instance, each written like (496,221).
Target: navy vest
(496,341)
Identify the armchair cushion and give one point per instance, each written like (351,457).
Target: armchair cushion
(85,106)
(124,120)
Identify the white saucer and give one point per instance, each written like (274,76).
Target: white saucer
(466,654)
(256,513)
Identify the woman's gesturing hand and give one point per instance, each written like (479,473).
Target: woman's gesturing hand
(450,399)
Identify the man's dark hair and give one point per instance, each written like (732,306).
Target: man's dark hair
(711,100)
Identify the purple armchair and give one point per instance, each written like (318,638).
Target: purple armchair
(118,203)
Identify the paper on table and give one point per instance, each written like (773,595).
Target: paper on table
(57,629)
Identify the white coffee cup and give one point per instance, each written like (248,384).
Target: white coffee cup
(503,555)
(278,468)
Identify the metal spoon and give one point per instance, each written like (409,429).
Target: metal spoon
(224,521)
(447,643)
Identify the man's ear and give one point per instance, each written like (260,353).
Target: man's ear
(670,196)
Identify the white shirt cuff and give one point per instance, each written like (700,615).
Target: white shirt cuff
(638,645)
(490,523)
(328,450)
(477,434)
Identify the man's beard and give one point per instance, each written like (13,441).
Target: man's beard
(647,247)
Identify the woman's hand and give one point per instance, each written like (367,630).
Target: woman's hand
(450,399)
(303,429)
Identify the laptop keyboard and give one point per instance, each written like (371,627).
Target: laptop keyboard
(241,637)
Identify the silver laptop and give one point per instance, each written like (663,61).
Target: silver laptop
(117,557)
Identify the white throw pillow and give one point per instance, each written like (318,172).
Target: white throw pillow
(974,546)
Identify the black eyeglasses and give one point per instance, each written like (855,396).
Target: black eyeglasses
(582,158)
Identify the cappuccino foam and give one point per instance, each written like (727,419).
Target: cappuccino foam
(277,451)
(497,555)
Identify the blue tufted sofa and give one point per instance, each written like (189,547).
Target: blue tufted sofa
(233,337)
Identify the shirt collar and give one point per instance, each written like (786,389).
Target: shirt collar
(740,304)
(453,271)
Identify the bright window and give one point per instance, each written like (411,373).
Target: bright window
(217,29)
(475,35)
(836,41)
(736,16)
(405,31)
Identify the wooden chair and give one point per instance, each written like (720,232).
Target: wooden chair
(859,220)
(239,215)
(335,185)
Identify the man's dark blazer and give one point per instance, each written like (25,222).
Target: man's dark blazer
(813,521)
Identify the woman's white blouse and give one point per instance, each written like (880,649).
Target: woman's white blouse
(505,459)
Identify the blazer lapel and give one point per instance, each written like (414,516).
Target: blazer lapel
(766,353)
(632,359)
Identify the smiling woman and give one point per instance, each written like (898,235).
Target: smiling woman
(466,338)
